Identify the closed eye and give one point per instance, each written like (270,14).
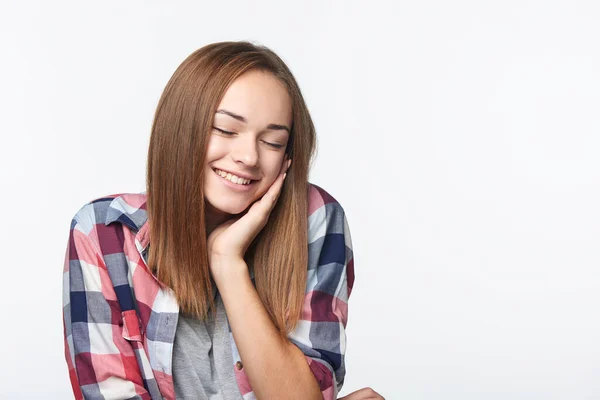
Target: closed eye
(226,133)
(274,145)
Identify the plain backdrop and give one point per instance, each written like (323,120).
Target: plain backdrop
(462,138)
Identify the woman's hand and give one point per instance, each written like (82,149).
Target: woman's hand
(230,240)
(363,394)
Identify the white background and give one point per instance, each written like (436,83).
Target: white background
(461,137)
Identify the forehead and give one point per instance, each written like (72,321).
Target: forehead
(260,97)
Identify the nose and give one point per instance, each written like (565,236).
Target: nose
(245,151)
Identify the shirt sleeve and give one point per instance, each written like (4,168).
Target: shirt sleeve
(320,332)
(102,363)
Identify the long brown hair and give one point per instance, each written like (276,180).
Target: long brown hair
(175,188)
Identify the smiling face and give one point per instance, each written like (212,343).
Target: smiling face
(247,144)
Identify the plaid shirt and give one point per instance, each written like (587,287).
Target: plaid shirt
(119,349)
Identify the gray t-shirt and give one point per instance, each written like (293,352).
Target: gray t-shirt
(202,358)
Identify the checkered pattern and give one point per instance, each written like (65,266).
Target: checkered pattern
(120,321)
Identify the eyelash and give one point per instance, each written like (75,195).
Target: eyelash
(227,133)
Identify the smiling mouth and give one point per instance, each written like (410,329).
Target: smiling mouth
(233,178)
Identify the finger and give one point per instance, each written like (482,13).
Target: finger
(273,193)
(264,206)
(275,189)
(269,199)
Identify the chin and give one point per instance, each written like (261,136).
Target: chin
(232,209)
(229,207)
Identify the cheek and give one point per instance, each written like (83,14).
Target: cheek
(214,149)
(272,167)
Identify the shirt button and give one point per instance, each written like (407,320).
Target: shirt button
(239,365)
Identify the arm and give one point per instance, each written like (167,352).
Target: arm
(320,333)
(310,362)
(102,364)
(273,364)
(320,336)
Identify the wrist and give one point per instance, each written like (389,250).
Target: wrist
(228,270)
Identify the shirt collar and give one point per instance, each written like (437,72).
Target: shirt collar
(130,210)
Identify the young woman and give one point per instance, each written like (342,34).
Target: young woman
(230,276)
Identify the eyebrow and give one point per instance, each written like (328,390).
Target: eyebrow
(244,120)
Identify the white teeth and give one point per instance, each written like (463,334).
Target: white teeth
(233,178)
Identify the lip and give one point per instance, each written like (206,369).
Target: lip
(238,174)
(235,186)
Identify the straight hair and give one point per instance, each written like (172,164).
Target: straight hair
(183,121)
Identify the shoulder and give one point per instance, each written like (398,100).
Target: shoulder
(330,251)
(325,214)
(319,198)
(127,208)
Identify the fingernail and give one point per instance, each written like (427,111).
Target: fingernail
(284,175)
